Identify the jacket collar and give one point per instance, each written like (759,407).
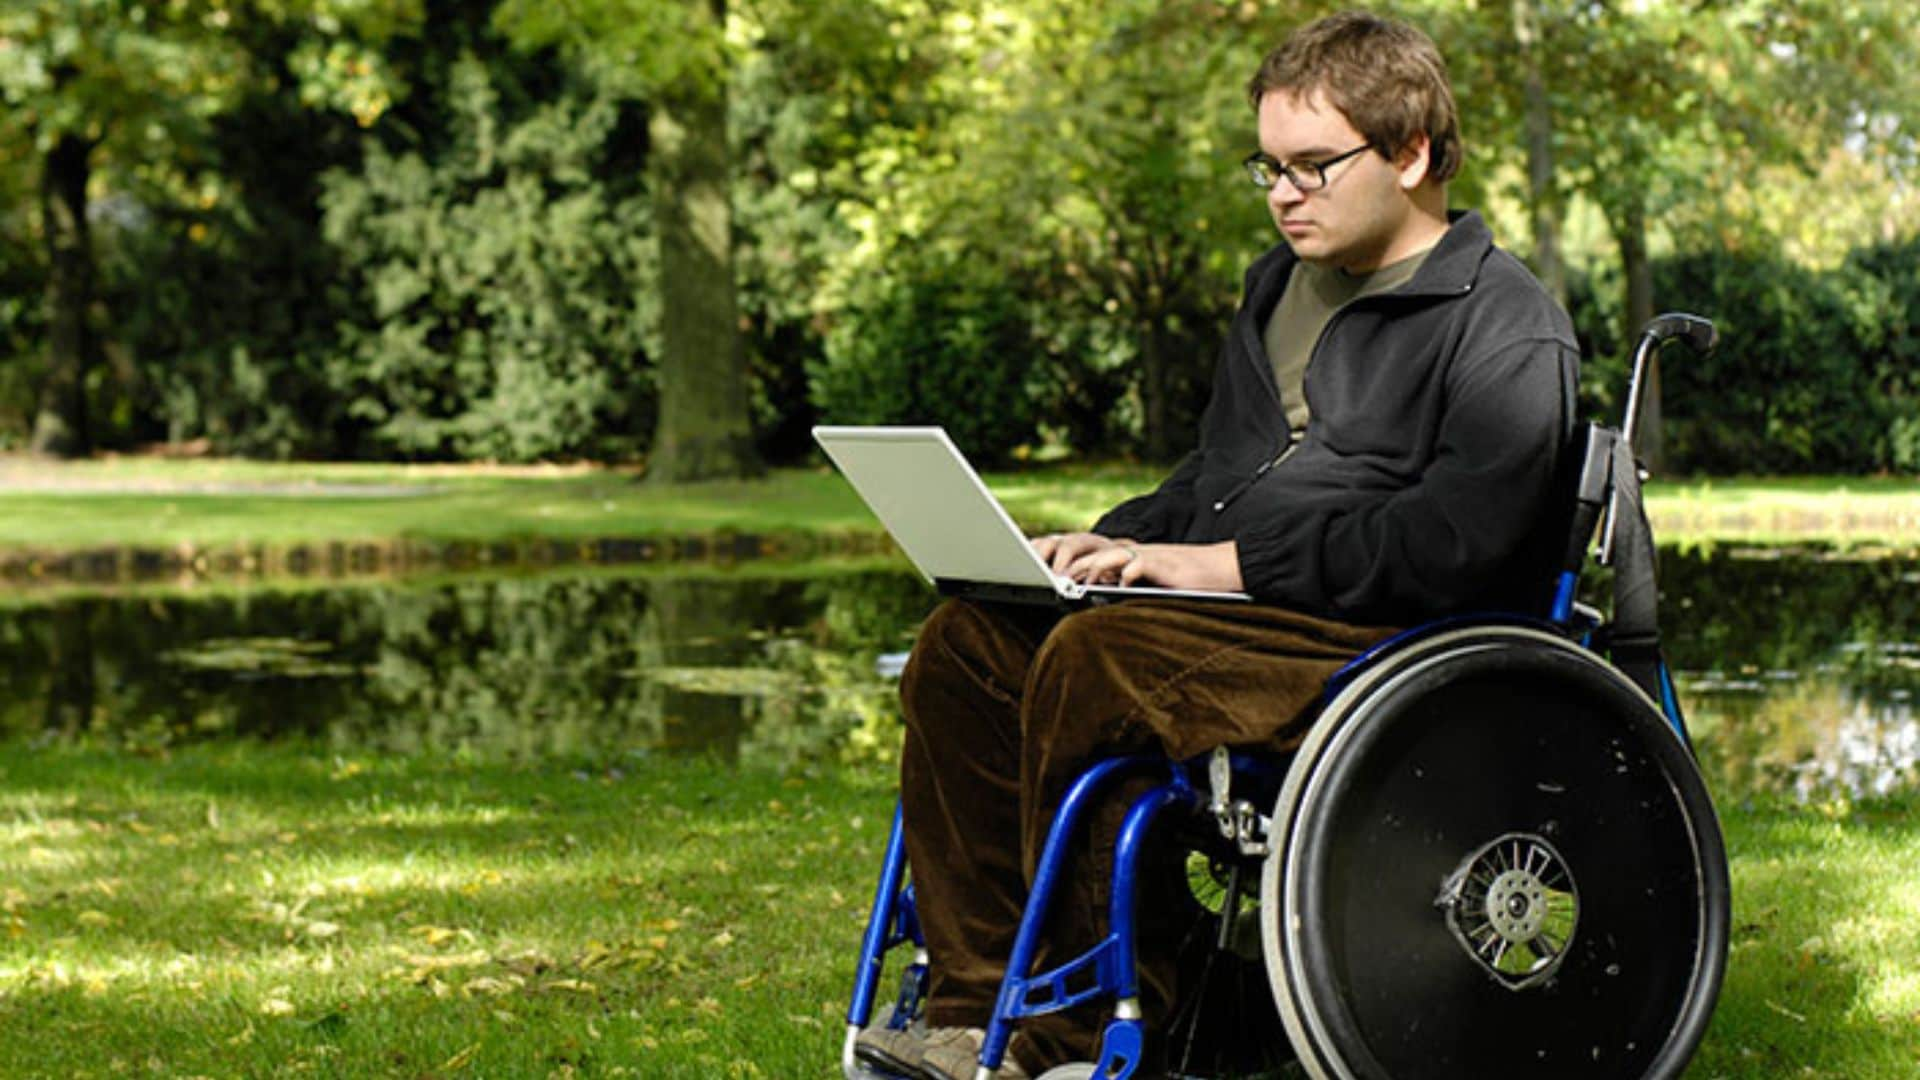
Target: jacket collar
(1450,270)
(1455,263)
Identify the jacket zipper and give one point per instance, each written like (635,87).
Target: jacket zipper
(1240,488)
(1293,443)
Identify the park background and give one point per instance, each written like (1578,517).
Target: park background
(433,646)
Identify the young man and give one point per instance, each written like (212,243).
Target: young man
(1380,449)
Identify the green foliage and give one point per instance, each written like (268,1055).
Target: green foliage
(502,284)
(829,103)
(1026,215)
(22,326)
(210,284)
(651,44)
(1092,174)
(1895,327)
(222,291)
(939,339)
(1816,372)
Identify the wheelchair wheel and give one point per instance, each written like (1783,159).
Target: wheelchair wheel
(1226,1024)
(1493,857)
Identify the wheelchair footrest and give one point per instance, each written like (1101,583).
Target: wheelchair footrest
(1094,973)
(1121,1047)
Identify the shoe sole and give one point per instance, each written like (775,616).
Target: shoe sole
(883,1062)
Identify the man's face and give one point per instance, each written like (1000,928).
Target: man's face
(1356,221)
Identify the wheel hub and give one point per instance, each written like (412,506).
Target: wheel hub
(1513,907)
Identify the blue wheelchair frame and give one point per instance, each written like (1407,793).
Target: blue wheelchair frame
(1605,498)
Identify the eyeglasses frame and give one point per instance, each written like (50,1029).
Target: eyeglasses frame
(1260,160)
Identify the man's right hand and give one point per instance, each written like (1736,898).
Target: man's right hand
(1060,550)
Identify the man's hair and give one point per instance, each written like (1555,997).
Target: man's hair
(1387,78)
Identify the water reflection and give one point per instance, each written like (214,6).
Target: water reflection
(715,665)
(1798,673)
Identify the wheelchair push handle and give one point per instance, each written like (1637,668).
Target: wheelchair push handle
(1697,332)
(1701,337)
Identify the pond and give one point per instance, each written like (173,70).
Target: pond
(1798,671)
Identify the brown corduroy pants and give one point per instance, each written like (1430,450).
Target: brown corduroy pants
(1005,706)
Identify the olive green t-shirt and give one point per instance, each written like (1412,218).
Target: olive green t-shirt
(1315,293)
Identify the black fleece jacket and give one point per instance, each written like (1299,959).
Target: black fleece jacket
(1426,480)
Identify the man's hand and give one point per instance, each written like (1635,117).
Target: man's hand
(1095,559)
(1061,550)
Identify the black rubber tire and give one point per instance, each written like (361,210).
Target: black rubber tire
(1457,740)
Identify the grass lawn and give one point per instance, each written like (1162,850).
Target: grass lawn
(211,505)
(248,911)
(243,910)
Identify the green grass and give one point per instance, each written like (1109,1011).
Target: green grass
(221,504)
(248,910)
(1823,979)
(213,505)
(1851,511)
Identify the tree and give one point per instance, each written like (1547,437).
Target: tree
(135,83)
(1658,112)
(1542,196)
(674,55)
(1124,131)
(493,267)
(79,73)
(704,430)
(1094,172)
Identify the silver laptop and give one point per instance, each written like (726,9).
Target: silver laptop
(951,527)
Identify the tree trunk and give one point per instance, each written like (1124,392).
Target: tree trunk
(1154,392)
(705,431)
(60,426)
(1638,268)
(72,689)
(1548,262)
(687,617)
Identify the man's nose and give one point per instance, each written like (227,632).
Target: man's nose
(1284,194)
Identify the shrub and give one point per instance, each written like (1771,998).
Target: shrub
(503,286)
(933,337)
(1817,371)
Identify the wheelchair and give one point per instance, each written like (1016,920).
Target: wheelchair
(1492,856)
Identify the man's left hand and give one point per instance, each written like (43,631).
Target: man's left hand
(1212,567)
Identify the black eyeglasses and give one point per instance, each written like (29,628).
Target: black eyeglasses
(1303,175)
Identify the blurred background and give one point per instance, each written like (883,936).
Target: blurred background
(682,231)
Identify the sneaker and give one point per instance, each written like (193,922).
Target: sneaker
(892,1050)
(954,1054)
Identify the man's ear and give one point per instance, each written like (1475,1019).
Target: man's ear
(1413,161)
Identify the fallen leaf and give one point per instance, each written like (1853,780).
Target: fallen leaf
(487,984)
